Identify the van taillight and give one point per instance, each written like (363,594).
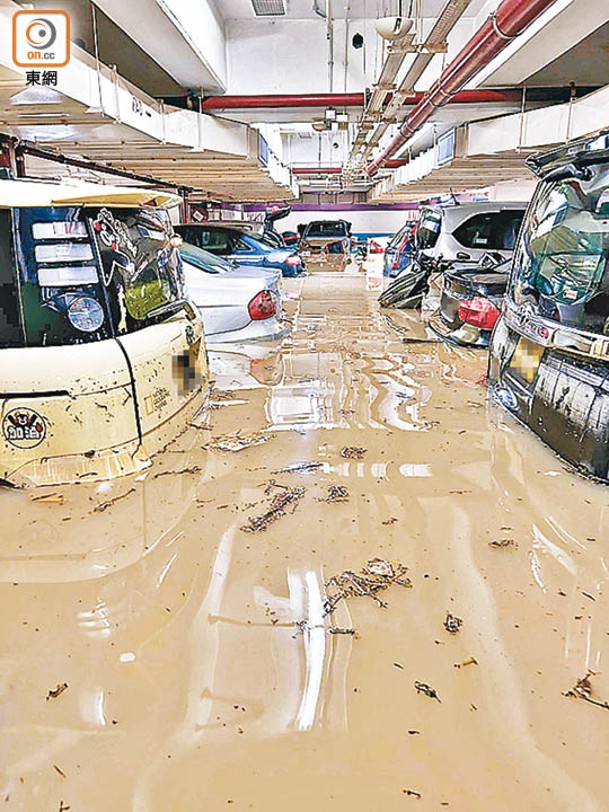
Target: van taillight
(263,306)
(479,312)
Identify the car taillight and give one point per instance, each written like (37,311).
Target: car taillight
(398,252)
(293,260)
(263,306)
(479,312)
(375,248)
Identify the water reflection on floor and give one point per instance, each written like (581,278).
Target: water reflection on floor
(190,687)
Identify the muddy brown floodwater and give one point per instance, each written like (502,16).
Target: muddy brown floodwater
(162,651)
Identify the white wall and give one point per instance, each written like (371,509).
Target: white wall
(375,221)
(319,149)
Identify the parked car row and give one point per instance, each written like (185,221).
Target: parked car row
(237,243)
(538,297)
(465,246)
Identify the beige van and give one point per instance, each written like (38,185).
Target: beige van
(102,356)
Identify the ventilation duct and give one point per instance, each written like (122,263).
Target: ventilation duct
(269,8)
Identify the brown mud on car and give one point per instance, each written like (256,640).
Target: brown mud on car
(325,245)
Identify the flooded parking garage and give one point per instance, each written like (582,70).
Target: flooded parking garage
(304,405)
(156,655)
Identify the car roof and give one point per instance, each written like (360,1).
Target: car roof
(316,222)
(22,193)
(238,224)
(458,213)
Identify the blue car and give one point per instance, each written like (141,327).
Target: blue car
(400,251)
(241,244)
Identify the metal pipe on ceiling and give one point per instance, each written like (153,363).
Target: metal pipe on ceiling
(275,102)
(328,17)
(330,36)
(27,148)
(336,170)
(450,14)
(448,18)
(509,21)
(279,101)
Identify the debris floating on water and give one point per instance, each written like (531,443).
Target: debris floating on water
(105,505)
(378,566)
(237,442)
(302,468)
(377,576)
(336,493)
(502,543)
(50,499)
(353,453)
(413,793)
(194,469)
(424,688)
(452,624)
(583,690)
(338,630)
(279,505)
(57,691)
(467,661)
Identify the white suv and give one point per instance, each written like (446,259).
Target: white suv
(467,231)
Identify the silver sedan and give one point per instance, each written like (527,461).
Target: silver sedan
(237,302)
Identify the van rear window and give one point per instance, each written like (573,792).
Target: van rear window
(326,229)
(561,265)
(73,275)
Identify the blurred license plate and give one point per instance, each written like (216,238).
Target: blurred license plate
(305,253)
(525,359)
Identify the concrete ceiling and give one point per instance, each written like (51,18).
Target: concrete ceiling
(351,9)
(585,64)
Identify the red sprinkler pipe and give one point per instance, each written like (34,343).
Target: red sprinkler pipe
(317,170)
(510,20)
(343,100)
(268,102)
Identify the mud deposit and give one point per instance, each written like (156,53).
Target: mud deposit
(198,666)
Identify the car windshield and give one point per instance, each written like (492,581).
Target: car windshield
(326,228)
(204,260)
(561,265)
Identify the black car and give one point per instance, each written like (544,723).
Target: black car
(549,352)
(470,303)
